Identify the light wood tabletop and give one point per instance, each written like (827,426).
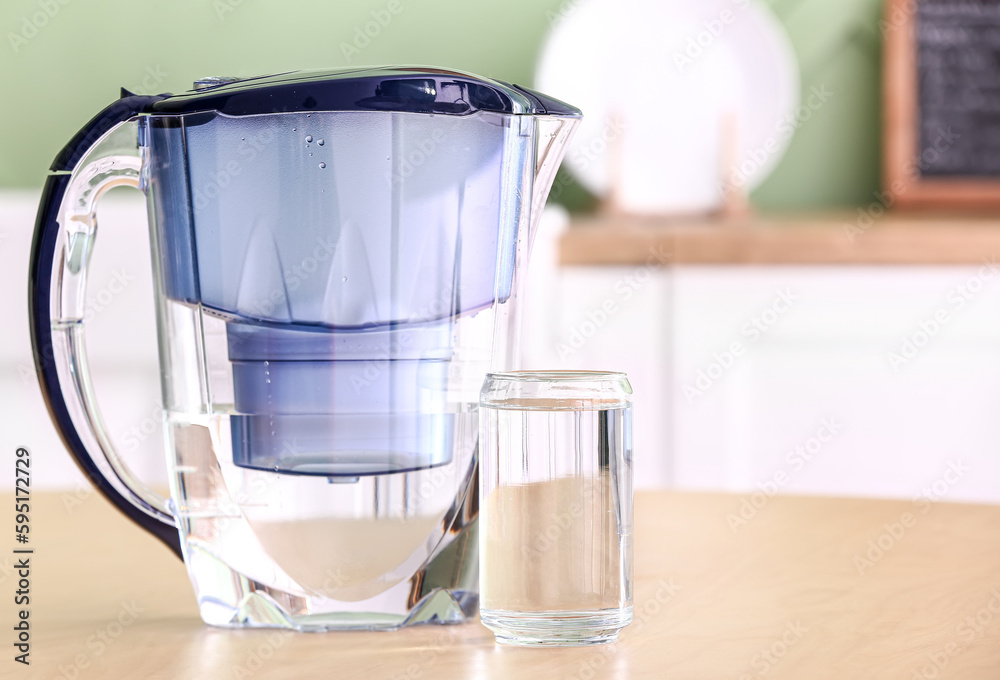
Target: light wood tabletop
(726,586)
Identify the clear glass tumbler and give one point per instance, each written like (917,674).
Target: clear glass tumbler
(556,506)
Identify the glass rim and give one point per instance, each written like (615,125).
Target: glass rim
(555,376)
(556,390)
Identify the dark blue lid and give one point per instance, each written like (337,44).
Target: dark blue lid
(390,88)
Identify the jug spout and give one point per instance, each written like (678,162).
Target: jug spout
(553,133)
(555,124)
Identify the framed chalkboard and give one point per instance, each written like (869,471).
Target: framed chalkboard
(941,103)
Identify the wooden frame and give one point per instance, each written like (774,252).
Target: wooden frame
(901,180)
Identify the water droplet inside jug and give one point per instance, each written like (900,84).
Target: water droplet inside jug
(320,142)
(294,129)
(309,138)
(345,278)
(322,165)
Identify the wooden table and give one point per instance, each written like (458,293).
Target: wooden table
(783,595)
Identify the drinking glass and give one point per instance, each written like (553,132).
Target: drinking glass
(556,506)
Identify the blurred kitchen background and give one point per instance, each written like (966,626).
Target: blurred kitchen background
(720,230)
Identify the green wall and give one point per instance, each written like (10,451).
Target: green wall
(54,77)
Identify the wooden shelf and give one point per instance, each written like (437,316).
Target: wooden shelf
(783,239)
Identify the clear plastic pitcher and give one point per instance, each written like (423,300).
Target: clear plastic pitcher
(337,260)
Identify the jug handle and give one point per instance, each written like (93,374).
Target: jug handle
(106,153)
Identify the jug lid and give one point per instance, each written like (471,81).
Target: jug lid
(390,88)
